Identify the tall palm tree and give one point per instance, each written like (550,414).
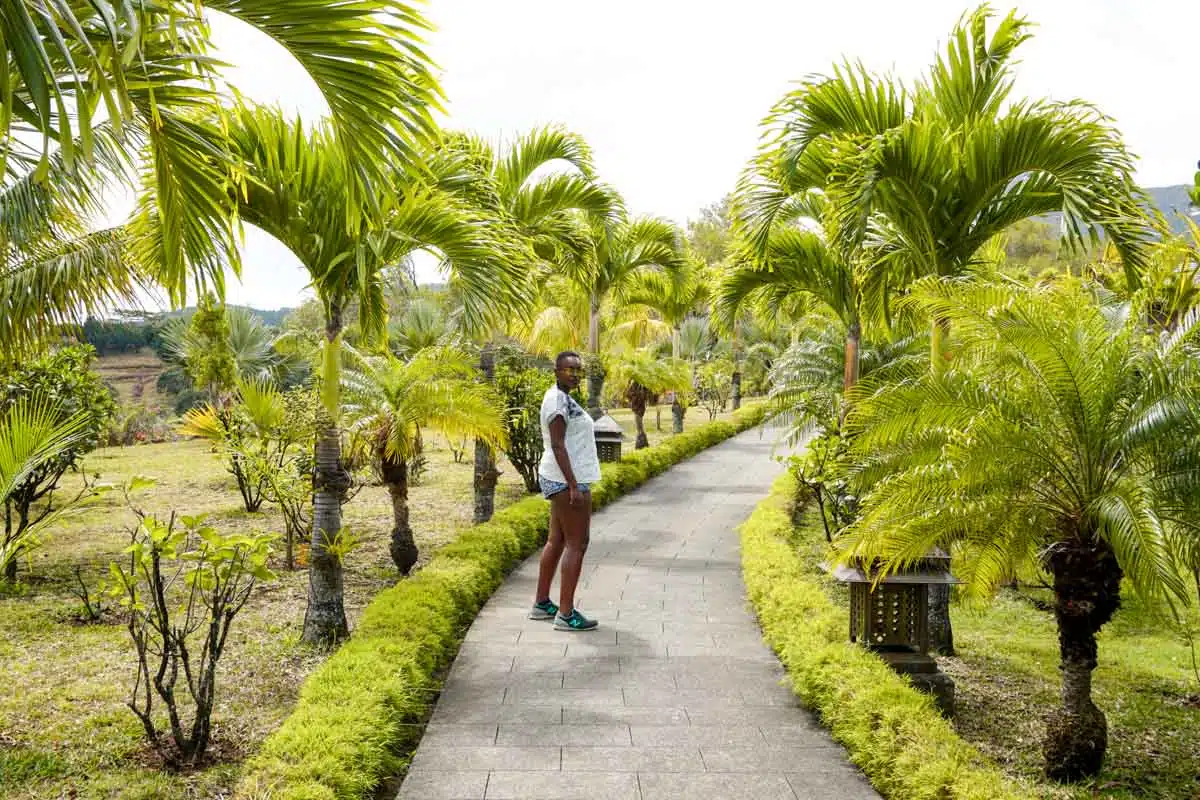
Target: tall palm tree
(388,401)
(542,186)
(1057,437)
(800,262)
(616,253)
(85,81)
(301,194)
(918,181)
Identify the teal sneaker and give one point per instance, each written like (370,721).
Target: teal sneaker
(544,610)
(575,622)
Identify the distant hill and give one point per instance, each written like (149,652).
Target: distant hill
(1170,200)
(272,318)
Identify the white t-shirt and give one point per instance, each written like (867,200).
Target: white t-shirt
(580,439)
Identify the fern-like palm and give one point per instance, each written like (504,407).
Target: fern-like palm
(388,402)
(1059,436)
(32,433)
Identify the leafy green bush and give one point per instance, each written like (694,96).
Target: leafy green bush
(892,731)
(522,390)
(64,380)
(358,713)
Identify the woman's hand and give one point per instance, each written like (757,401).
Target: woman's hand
(574,496)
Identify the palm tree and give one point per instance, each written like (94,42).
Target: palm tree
(1057,437)
(615,254)
(251,343)
(301,194)
(420,325)
(640,376)
(544,208)
(799,262)
(91,83)
(388,401)
(918,181)
(677,298)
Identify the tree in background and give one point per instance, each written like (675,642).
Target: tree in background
(615,255)
(640,376)
(543,187)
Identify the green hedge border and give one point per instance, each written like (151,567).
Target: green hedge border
(354,723)
(891,731)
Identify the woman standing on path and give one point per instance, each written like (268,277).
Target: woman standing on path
(568,468)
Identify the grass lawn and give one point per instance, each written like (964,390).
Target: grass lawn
(1007,678)
(64,728)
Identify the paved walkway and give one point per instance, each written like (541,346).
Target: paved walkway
(674,696)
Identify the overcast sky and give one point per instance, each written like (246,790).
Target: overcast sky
(670,93)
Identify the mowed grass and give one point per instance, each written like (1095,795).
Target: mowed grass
(1007,679)
(64,727)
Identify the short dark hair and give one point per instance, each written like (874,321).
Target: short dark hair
(564,355)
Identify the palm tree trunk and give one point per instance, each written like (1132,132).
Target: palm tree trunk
(941,632)
(638,406)
(677,412)
(595,368)
(486,473)
(853,342)
(736,378)
(325,617)
(403,547)
(1087,590)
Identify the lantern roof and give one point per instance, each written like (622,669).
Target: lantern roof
(933,569)
(607,428)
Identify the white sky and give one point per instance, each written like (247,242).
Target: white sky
(669,93)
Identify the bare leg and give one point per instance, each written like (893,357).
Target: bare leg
(576,528)
(551,553)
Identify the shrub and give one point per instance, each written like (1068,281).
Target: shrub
(358,712)
(522,390)
(892,731)
(184,582)
(63,378)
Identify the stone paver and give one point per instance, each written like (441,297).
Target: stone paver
(675,696)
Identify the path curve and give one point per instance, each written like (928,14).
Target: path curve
(674,696)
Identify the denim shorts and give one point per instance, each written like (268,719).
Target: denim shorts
(551,488)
